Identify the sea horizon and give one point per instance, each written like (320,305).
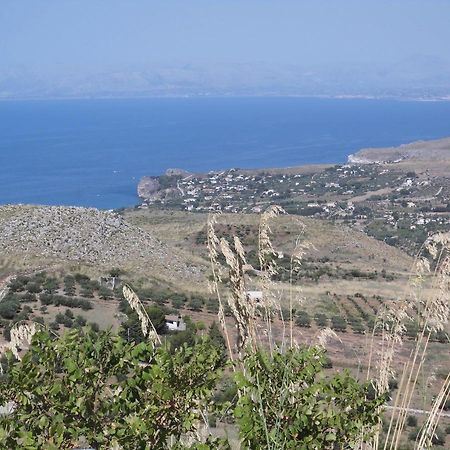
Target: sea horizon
(92,152)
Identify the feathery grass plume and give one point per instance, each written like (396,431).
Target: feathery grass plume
(213,245)
(267,257)
(21,334)
(325,335)
(392,323)
(295,265)
(429,304)
(436,308)
(435,313)
(148,329)
(266,252)
(428,431)
(242,309)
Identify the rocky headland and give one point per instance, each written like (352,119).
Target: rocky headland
(431,151)
(162,188)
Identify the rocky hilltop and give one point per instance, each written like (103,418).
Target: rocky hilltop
(436,150)
(86,235)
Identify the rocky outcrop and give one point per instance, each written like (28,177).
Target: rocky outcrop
(87,235)
(355,159)
(151,189)
(148,187)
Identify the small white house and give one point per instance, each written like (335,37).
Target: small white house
(175,323)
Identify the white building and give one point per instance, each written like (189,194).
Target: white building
(175,323)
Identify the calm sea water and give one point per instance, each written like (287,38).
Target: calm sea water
(93,152)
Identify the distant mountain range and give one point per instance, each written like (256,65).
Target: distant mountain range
(417,77)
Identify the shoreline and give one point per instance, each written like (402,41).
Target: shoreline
(394,98)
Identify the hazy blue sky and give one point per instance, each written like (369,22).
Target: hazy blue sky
(53,35)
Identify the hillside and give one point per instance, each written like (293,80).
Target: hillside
(340,260)
(42,235)
(430,151)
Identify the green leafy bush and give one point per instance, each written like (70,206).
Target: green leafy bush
(76,392)
(9,307)
(303,319)
(195,304)
(321,320)
(284,403)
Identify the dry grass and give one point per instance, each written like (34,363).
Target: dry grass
(148,329)
(254,319)
(430,307)
(428,303)
(344,247)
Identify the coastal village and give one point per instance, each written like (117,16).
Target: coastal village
(397,206)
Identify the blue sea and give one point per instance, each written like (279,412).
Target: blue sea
(93,152)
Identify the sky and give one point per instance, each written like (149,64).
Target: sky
(177,47)
(49,35)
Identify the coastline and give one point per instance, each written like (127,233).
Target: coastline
(396,98)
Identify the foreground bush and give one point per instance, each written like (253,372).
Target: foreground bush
(112,393)
(98,388)
(286,403)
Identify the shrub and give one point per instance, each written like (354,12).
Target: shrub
(226,391)
(94,326)
(79,321)
(69,290)
(105,293)
(81,278)
(69,285)
(195,304)
(358,327)
(54,326)
(272,415)
(87,292)
(59,300)
(7,333)
(177,303)
(16,285)
(85,305)
(212,306)
(51,285)
(46,299)
(131,329)
(34,288)
(303,319)
(62,319)
(411,421)
(28,297)
(9,308)
(327,363)
(152,403)
(338,323)
(39,319)
(180,339)
(438,438)
(321,320)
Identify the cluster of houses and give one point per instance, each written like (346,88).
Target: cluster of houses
(352,192)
